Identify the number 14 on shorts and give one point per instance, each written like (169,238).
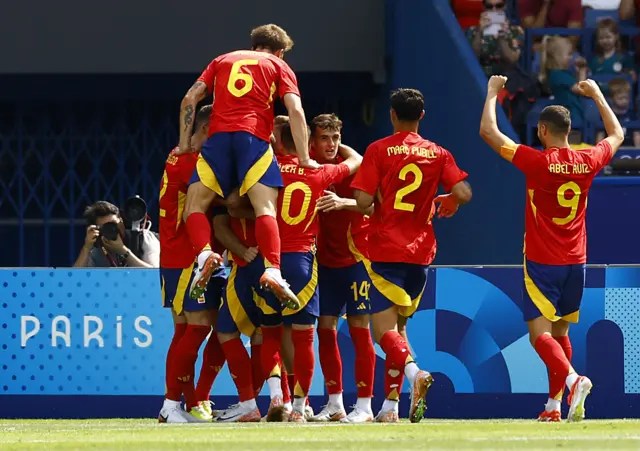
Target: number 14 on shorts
(362,291)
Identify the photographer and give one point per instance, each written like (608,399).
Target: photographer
(107,243)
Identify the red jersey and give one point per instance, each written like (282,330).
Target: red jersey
(333,243)
(244,84)
(176,250)
(403,171)
(297,218)
(245,230)
(558,182)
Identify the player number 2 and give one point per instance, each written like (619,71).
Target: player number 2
(163,190)
(237,74)
(363,291)
(286,203)
(572,202)
(411,168)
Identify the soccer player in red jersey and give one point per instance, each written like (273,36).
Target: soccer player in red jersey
(400,175)
(192,318)
(238,152)
(298,224)
(558,181)
(344,282)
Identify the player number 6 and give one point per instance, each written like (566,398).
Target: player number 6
(237,74)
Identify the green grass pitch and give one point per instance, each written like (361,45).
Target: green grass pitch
(131,435)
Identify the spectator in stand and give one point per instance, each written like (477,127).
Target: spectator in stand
(551,14)
(620,102)
(495,41)
(557,53)
(627,11)
(608,55)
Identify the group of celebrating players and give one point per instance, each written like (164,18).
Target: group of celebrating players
(313,231)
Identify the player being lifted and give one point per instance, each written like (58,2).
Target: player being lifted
(558,181)
(401,174)
(298,222)
(344,282)
(192,318)
(238,154)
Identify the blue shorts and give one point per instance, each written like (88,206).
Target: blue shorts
(240,310)
(175,284)
(229,160)
(400,284)
(552,291)
(344,290)
(300,270)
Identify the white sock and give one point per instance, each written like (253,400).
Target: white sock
(552,404)
(251,404)
(411,370)
(335,400)
(390,405)
(364,404)
(275,387)
(202,257)
(299,404)
(287,406)
(170,404)
(274,271)
(571,379)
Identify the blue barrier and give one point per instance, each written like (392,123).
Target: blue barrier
(85,343)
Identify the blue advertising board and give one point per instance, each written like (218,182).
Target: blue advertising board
(92,343)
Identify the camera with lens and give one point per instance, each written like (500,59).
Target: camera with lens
(109,231)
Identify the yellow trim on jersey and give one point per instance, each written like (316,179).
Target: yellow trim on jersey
(539,299)
(238,313)
(508,150)
(313,216)
(305,295)
(534,209)
(389,290)
(572,317)
(207,176)
(162,292)
(255,173)
(181,289)
(182,199)
(262,304)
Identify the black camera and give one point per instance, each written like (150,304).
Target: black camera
(109,231)
(135,212)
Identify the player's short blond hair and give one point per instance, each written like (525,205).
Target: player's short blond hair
(270,37)
(619,86)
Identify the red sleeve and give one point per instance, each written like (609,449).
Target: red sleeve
(528,160)
(527,8)
(451,173)
(288,83)
(575,11)
(600,154)
(368,177)
(334,173)
(209,75)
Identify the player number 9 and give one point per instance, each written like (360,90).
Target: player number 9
(410,188)
(236,75)
(286,203)
(568,203)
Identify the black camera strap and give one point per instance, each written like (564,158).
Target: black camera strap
(109,258)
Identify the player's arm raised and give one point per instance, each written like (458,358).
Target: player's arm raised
(299,130)
(195,94)
(489,124)
(615,133)
(224,234)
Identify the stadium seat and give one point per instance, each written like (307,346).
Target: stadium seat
(593,16)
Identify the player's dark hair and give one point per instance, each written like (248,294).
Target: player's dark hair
(557,118)
(203,116)
(270,37)
(408,104)
(329,122)
(98,210)
(286,136)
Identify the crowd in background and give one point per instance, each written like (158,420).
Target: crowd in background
(546,47)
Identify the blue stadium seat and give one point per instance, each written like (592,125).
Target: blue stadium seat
(593,16)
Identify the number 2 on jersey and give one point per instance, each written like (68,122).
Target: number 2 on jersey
(237,74)
(568,203)
(412,168)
